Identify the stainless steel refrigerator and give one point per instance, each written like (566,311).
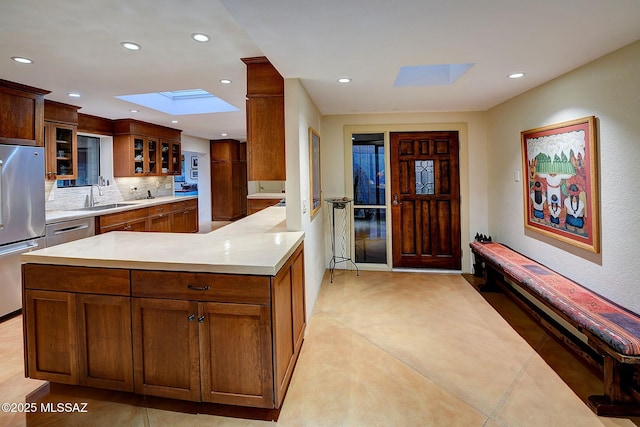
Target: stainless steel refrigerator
(22,217)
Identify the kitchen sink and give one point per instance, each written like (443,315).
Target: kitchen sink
(109,206)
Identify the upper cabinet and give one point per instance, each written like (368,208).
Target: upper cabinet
(60,140)
(265,121)
(21,114)
(145,149)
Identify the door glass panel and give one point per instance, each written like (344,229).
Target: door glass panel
(369,213)
(370,235)
(425,179)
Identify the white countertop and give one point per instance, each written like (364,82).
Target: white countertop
(67,215)
(266,196)
(258,244)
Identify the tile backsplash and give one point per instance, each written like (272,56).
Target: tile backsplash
(119,190)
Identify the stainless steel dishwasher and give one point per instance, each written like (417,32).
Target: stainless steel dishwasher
(67,231)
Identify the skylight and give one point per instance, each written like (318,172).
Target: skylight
(181,102)
(431,75)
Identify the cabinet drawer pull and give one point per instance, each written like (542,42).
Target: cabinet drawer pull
(201,319)
(199,288)
(191,317)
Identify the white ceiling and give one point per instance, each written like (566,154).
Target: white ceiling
(75,46)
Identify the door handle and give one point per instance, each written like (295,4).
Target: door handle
(395,200)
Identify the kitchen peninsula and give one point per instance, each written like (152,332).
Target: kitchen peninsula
(216,317)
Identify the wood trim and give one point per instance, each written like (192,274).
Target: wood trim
(59,112)
(137,127)
(24,88)
(95,125)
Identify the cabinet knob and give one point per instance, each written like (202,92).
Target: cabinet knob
(201,319)
(191,317)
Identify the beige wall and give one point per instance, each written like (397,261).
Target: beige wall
(609,89)
(300,114)
(473,171)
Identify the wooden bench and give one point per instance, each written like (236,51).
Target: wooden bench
(612,332)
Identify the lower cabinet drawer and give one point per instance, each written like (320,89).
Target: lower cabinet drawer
(201,286)
(91,280)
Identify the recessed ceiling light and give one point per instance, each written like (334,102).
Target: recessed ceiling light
(224,134)
(131,45)
(517,75)
(74,94)
(200,37)
(22,59)
(344,80)
(225,81)
(133,110)
(174,121)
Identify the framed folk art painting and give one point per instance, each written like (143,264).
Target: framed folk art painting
(561,182)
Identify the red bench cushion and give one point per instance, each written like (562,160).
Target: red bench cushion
(615,325)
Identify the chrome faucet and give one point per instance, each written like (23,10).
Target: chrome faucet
(92,201)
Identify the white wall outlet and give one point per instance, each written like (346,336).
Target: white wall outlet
(157,184)
(168,186)
(516,176)
(304,206)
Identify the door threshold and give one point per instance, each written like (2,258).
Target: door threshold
(425,270)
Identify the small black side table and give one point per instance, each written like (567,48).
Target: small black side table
(343,207)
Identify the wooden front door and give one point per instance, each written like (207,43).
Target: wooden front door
(425,200)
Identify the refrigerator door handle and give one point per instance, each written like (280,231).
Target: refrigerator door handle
(20,247)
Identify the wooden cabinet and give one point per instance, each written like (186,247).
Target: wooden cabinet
(21,114)
(62,151)
(221,352)
(170,217)
(223,338)
(265,121)
(228,180)
(144,149)
(131,220)
(256,205)
(288,311)
(78,326)
(170,157)
(159,218)
(184,216)
(61,140)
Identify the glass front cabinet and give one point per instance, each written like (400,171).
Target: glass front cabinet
(142,154)
(62,151)
(170,163)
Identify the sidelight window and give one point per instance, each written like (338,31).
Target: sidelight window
(369,183)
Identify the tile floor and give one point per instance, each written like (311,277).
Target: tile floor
(382,349)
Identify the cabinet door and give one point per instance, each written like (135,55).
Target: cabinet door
(62,151)
(265,139)
(185,217)
(165,348)
(289,320)
(170,163)
(104,341)
(159,218)
(51,339)
(235,354)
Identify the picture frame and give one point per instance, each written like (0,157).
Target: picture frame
(561,195)
(314,172)
(194,162)
(194,174)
